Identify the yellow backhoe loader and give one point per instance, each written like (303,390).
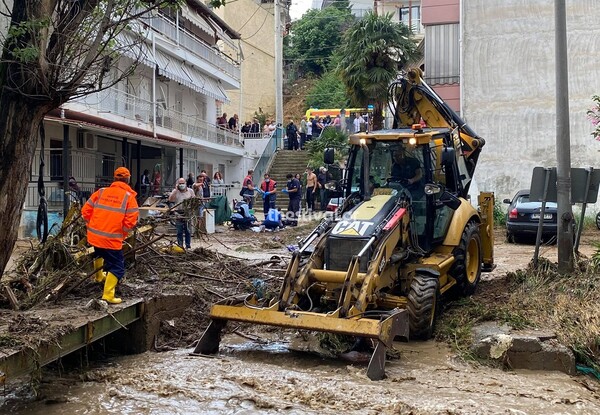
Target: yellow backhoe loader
(377,268)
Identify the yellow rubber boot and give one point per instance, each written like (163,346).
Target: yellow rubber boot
(109,289)
(100,275)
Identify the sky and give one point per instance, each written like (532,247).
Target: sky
(299,7)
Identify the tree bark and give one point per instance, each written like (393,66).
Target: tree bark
(378,116)
(19,124)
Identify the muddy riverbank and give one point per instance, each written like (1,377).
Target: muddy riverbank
(249,377)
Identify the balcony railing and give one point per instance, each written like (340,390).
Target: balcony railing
(186,39)
(134,108)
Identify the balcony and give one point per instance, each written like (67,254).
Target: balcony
(220,61)
(136,109)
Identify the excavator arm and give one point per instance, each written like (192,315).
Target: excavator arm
(415,102)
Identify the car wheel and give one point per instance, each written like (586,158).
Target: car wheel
(598,220)
(510,237)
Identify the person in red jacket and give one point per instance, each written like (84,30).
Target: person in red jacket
(110,214)
(268,189)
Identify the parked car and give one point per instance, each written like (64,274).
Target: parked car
(334,203)
(523,217)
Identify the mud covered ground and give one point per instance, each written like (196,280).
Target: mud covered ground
(262,375)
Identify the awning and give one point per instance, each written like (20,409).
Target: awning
(188,76)
(134,48)
(221,33)
(209,86)
(196,19)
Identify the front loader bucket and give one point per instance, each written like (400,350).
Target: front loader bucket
(385,330)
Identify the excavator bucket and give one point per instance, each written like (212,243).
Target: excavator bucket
(395,323)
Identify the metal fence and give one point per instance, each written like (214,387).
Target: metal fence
(55,194)
(195,45)
(264,161)
(129,106)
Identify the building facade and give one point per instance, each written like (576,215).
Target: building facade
(254,21)
(162,118)
(509,86)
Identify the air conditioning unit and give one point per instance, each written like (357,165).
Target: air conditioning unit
(86,141)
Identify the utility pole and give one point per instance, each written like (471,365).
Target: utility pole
(278,70)
(563,141)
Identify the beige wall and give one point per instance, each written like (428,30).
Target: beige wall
(255,23)
(509,86)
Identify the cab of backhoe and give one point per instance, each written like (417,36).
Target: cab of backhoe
(419,167)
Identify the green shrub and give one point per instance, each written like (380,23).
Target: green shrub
(499,214)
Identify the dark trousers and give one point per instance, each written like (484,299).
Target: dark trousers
(113,261)
(293,142)
(182,229)
(323,197)
(271,224)
(310,199)
(249,197)
(302,140)
(268,203)
(294,208)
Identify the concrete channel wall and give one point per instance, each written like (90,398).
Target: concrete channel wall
(508,82)
(133,325)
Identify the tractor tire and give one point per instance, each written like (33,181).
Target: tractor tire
(467,260)
(422,306)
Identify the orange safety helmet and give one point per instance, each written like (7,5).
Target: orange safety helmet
(122,173)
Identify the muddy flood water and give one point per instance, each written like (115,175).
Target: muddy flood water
(251,378)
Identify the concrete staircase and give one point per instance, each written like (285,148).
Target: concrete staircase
(286,161)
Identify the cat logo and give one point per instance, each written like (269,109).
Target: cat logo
(351,228)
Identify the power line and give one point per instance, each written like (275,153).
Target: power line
(258,30)
(250,18)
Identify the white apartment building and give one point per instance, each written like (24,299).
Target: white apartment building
(162,118)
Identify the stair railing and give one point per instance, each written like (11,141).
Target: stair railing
(266,159)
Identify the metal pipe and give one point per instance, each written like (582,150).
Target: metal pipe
(335,277)
(583,207)
(362,251)
(154,86)
(538,238)
(65,169)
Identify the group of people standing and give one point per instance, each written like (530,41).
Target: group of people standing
(309,129)
(313,188)
(228,123)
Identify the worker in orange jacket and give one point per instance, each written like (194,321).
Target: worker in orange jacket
(110,214)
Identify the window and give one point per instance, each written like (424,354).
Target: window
(201,109)
(207,167)
(411,17)
(108,165)
(56,168)
(442,55)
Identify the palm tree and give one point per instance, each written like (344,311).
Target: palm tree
(372,53)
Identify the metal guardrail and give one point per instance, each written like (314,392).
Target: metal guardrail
(55,194)
(195,45)
(129,106)
(264,161)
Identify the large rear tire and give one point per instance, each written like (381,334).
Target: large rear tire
(467,260)
(422,305)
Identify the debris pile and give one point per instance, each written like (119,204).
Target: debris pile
(62,267)
(534,298)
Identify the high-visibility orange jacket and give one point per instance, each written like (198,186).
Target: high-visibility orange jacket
(110,213)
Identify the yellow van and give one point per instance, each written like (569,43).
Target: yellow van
(334,112)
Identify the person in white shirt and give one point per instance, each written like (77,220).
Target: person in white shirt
(358,121)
